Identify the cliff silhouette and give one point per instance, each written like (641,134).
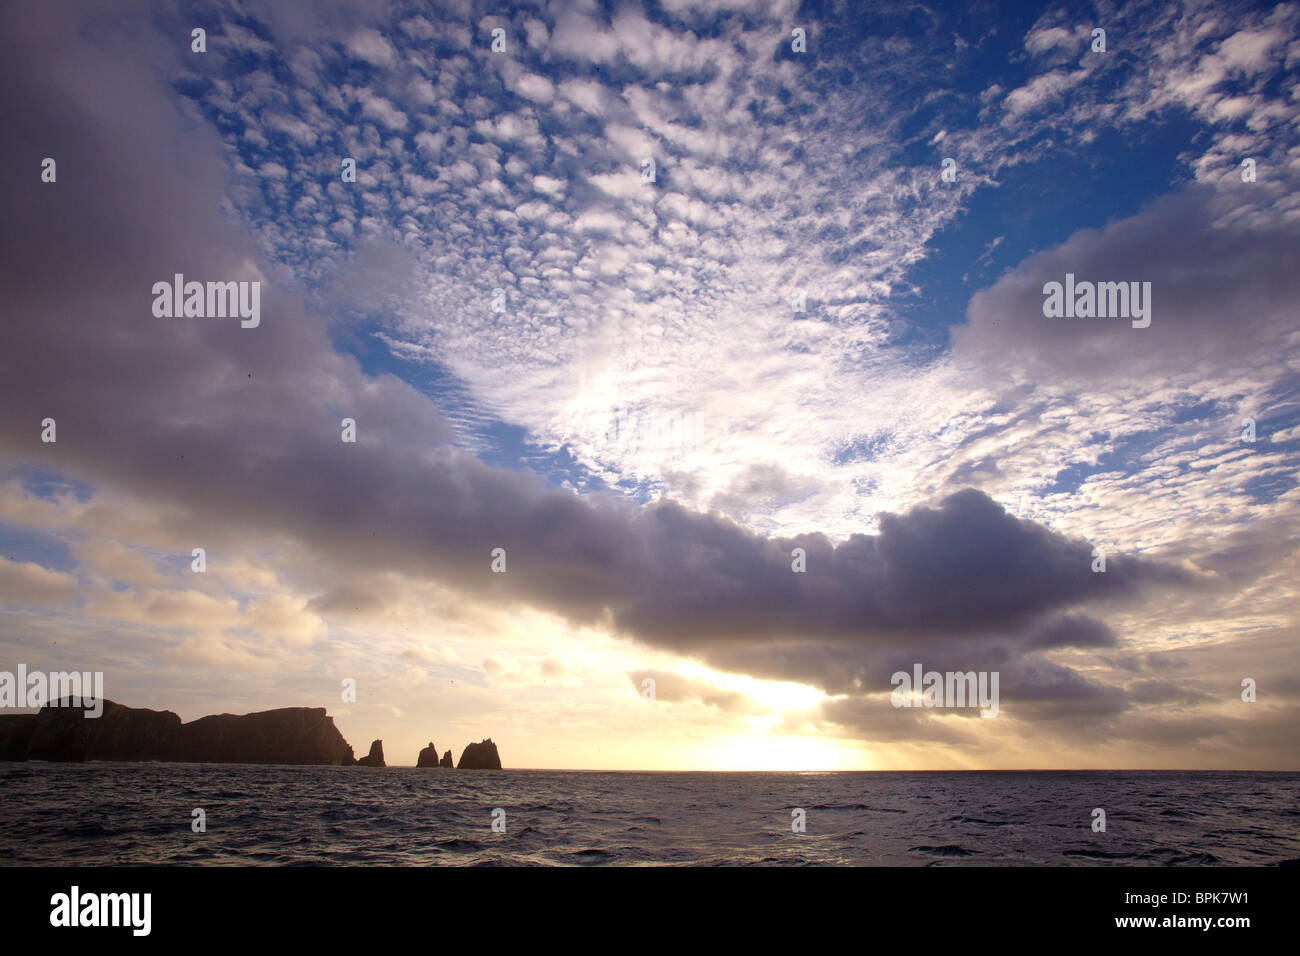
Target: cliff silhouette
(287,735)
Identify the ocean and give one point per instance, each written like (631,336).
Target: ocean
(143,813)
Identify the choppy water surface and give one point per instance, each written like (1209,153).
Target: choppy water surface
(140,813)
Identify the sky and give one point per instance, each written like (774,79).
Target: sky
(648,296)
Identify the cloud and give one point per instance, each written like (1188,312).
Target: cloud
(1250,50)
(381,109)
(533,87)
(371,46)
(876,721)
(676,688)
(1214,258)
(587,95)
(260,409)
(25,582)
(1042,39)
(1042,90)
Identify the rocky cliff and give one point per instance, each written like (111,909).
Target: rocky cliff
(289,735)
(480,756)
(376,756)
(15,735)
(120,733)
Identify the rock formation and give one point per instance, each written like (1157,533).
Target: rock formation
(376,756)
(64,733)
(289,735)
(120,733)
(15,735)
(480,756)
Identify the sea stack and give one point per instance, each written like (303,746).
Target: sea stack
(446,760)
(376,756)
(480,756)
(428,756)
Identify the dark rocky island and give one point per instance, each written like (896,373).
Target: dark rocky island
(15,735)
(429,758)
(480,756)
(288,735)
(376,756)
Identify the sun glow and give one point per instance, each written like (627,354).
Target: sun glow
(762,751)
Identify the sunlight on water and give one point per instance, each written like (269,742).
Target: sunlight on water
(109,813)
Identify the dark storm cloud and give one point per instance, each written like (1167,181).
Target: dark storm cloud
(239,430)
(870,720)
(1072,630)
(1038,690)
(1164,692)
(1214,256)
(963,567)
(1031,691)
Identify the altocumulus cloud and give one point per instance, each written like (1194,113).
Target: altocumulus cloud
(241,430)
